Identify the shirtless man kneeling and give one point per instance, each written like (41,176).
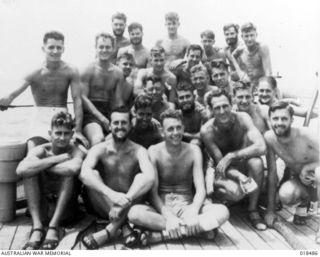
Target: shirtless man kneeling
(114,185)
(235,145)
(49,170)
(176,210)
(299,149)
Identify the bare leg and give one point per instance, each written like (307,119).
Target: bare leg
(212,216)
(255,170)
(65,195)
(94,133)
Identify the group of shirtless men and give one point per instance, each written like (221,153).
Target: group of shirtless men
(162,139)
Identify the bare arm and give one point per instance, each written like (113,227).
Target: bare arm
(119,101)
(71,167)
(36,162)
(76,97)
(266,61)
(257,146)
(172,82)
(91,177)
(143,181)
(6,101)
(198,179)
(138,84)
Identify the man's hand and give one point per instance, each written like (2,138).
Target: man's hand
(176,63)
(173,227)
(78,136)
(190,217)
(115,212)
(307,176)
(5,102)
(270,218)
(224,164)
(106,124)
(120,199)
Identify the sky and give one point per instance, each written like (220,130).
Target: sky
(291,29)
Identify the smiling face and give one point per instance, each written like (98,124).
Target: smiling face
(53,49)
(243,99)
(249,37)
(136,36)
(207,43)
(266,93)
(172,26)
(154,90)
(126,66)
(221,109)
(104,48)
(120,126)
(194,57)
(157,62)
(200,80)
(172,131)
(143,117)
(220,77)
(281,122)
(185,99)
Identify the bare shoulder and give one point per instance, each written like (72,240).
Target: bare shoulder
(269,136)
(243,117)
(307,134)
(206,129)
(264,48)
(154,150)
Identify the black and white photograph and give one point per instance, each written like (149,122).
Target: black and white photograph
(159,125)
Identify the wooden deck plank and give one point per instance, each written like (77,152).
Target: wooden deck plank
(223,241)
(238,239)
(191,243)
(248,232)
(208,244)
(6,236)
(311,220)
(270,238)
(303,233)
(21,236)
(174,245)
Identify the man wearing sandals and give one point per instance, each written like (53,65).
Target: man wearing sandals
(235,145)
(50,168)
(116,173)
(299,149)
(177,210)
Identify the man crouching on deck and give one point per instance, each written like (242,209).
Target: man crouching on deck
(177,211)
(235,145)
(124,175)
(299,149)
(50,168)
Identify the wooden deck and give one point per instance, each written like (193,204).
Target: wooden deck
(237,233)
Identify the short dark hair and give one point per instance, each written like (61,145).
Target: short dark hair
(134,25)
(54,35)
(247,27)
(194,47)
(199,67)
(184,86)
(270,80)
(157,51)
(126,55)
(122,109)
(169,113)
(119,16)
(231,25)
(152,79)
(207,33)
(279,105)
(219,63)
(240,85)
(171,16)
(62,119)
(105,36)
(142,101)
(217,93)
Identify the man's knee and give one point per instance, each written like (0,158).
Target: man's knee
(289,194)
(220,212)
(256,165)
(137,213)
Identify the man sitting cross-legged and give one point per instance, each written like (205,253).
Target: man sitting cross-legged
(177,210)
(48,172)
(116,172)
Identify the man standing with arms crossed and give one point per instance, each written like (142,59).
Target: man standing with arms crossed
(49,86)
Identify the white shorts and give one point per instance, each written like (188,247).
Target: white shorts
(41,121)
